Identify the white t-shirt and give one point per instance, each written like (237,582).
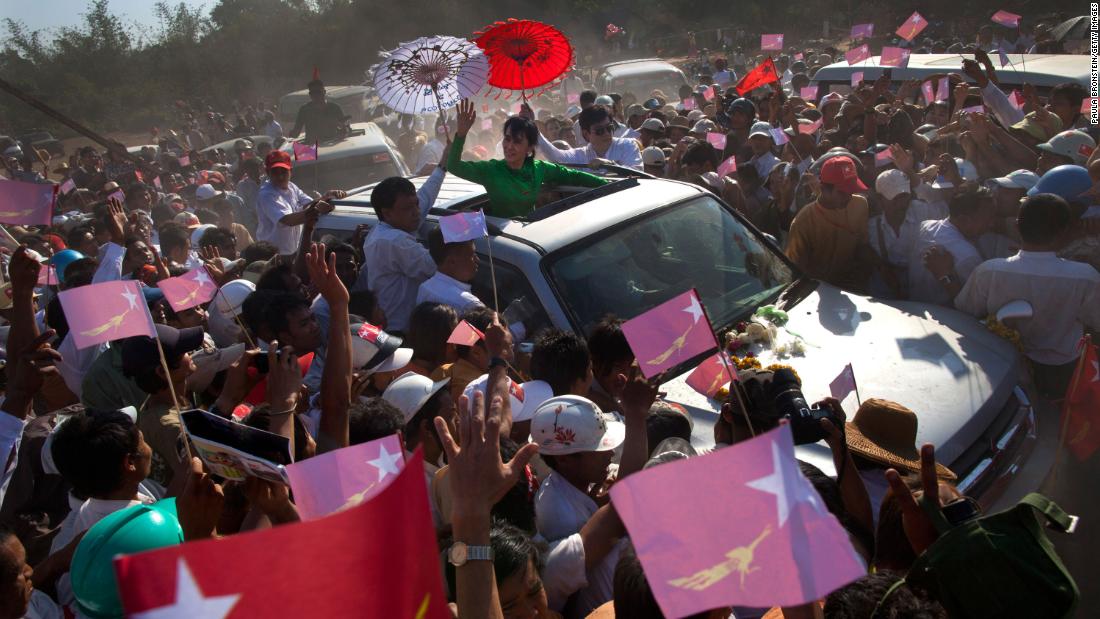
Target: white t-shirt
(923,286)
(272,205)
(899,246)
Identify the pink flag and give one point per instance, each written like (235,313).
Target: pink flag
(188,290)
(844,383)
(894,57)
(67,186)
(47,276)
(573,98)
(185,161)
(157,183)
(857,77)
(305,152)
(710,376)
(771,41)
(1017,100)
(942,89)
(99,313)
(708,94)
(29,204)
(883,157)
(727,167)
(670,334)
(465,334)
(1006,19)
(808,92)
(857,54)
(798,56)
(780,545)
(929,94)
(1003,57)
(912,26)
(118,195)
(689,103)
(779,136)
(717,140)
(486,124)
(464,226)
(812,127)
(863,31)
(974,109)
(344,478)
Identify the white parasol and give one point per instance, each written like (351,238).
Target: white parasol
(430,74)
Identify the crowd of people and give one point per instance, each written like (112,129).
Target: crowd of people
(971,200)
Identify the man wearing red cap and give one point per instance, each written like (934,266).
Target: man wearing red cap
(283,208)
(828,238)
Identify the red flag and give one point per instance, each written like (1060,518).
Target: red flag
(1082,405)
(669,334)
(727,167)
(894,57)
(465,334)
(771,41)
(104,312)
(27,203)
(1006,19)
(761,75)
(188,290)
(717,140)
(858,54)
(710,376)
(329,567)
(305,152)
(341,479)
(912,26)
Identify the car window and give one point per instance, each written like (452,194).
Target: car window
(514,293)
(634,268)
(642,86)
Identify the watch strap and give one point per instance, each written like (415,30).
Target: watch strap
(479,553)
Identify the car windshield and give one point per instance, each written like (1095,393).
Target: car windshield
(642,86)
(697,244)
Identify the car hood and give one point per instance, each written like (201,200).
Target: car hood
(944,365)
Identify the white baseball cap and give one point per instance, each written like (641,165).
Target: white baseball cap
(571,424)
(374,350)
(653,156)
(761,128)
(411,391)
(196,234)
(704,127)
(892,183)
(653,124)
(1077,145)
(526,397)
(604,100)
(232,296)
(695,115)
(206,191)
(1017,179)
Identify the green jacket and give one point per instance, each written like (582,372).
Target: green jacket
(512,193)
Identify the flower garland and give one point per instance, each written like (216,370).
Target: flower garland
(1004,332)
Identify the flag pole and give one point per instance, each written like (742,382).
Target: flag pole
(439,102)
(492,273)
(316,165)
(237,317)
(171,390)
(726,363)
(1086,341)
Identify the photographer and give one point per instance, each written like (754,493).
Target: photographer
(776,397)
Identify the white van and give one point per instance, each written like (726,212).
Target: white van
(1044,71)
(354,100)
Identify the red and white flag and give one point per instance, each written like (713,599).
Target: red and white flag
(711,375)
(185,160)
(27,204)
(68,186)
(894,57)
(779,136)
(1082,404)
(1006,19)
(670,334)
(857,77)
(717,140)
(305,152)
(862,31)
(912,26)
(306,569)
(188,290)
(727,167)
(762,75)
(812,127)
(929,92)
(943,89)
(808,93)
(99,313)
(771,41)
(858,54)
(341,479)
(462,227)
(465,334)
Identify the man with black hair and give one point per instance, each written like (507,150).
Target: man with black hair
(1064,294)
(946,250)
(633,596)
(370,419)
(875,595)
(473,361)
(291,321)
(611,361)
(175,245)
(222,239)
(396,262)
(561,359)
(18,597)
(322,119)
(603,148)
(456,265)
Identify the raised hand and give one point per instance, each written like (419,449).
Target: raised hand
(200,505)
(918,527)
(322,273)
(116,221)
(466,117)
(23,272)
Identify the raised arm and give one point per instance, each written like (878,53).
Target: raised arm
(336,377)
(468,170)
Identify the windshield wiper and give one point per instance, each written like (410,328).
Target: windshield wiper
(793,294)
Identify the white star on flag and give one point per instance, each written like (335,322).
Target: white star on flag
(915,19)
(1096,368)
(202,278)
(131,298)
(694,309)
(386,463)
(784,483)
(190,601)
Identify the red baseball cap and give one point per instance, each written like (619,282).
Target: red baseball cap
(278,159)
(841,173)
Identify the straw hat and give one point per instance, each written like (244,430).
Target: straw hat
(886,432)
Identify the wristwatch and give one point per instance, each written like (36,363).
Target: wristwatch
(459,553)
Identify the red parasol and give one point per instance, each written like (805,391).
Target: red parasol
(524,54)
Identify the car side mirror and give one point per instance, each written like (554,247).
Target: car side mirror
(1015,310)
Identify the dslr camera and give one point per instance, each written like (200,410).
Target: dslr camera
(790,404)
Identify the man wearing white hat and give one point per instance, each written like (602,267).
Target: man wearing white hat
(893,232)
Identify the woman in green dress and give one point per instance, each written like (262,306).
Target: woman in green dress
(513,183)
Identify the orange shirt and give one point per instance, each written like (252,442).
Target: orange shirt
(823,242)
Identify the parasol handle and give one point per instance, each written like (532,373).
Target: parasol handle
(439,102)
(522,88)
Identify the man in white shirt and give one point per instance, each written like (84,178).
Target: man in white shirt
(283,207)
(946,252)
(762,142)
(1064,295)
(596,128)
(394,262)
(456,265)
(893,233)
(722,75)
(434,151)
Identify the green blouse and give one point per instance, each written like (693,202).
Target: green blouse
(512,193)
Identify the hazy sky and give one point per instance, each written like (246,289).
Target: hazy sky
(40,14)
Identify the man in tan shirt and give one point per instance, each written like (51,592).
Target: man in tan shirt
(828,238)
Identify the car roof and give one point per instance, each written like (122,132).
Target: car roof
(603,208)
(372,140)
(642,65)
(1044,70)
(227,145)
